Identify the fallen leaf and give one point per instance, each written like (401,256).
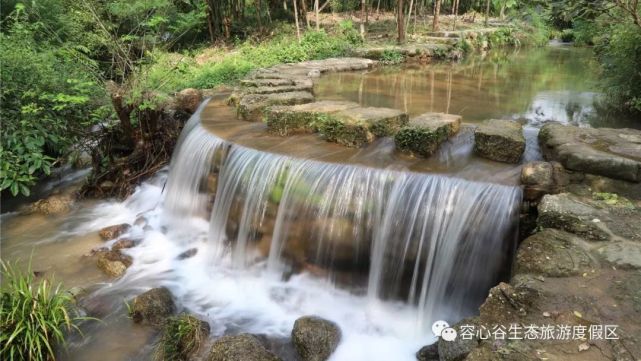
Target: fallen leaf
(583,347)
(578,314)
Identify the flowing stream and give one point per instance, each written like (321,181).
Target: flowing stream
(250,237)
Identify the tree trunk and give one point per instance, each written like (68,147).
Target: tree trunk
(296,20)
(362,25)
(437,11)
(316,12)
(400,13)
(258,9)
(409,14)
(487,11)
(304,12)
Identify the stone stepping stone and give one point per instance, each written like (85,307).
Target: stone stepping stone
(500,140)
(613,153)
(266,82)
(358,126)
(424,133)
(278,89)
(288,120)
(251,106)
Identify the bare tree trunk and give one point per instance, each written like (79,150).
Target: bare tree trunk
(487,11)
(456,4)
(296,20)
(437,11)
(362,20)
(304,12)
(316,12)
(409,14)
(378,7)
(400,22)
(258,9)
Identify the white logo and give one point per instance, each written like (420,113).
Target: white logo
(448,334)
(439,326)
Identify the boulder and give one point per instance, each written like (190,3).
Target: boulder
(115,231)
(622,254)
(243,347)
(506,304)
(500,140)
(424,133)
(266,82)
(459,348)
(153,307)
(250,106)
(188,100)
(428,353)
(613,153)
(53,205)
(540,178)
(182,337)
(287,120)
(553,253)
(355,127)
(315,338)
(113,263)
(123,243)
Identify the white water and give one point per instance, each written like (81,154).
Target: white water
(426,247)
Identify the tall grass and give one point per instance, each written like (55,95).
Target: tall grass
(182,337)
(34,316)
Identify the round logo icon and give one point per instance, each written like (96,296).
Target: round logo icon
(439,326)
(448,334)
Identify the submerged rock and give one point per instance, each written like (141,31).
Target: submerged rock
(614,153)
(243,347)
(123,243)
(315,338)
(113,262)
(553,253)
(424,133)
(153,307)
(500,140)
(53,205)
(114,231)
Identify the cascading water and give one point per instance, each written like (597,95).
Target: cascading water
(433,242)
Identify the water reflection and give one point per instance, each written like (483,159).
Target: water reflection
(534,86)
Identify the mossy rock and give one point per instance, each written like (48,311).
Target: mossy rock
(424,133)
(182,337)
(153,307)
(251,106)
(288,120)
(500,140)
(348,132)
(315,338)
(243,347)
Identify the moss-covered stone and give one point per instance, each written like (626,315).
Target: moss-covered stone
(243,347)
(426,132)
(500,140)
(250,107)
(153,307)
(287,120)
(345,131)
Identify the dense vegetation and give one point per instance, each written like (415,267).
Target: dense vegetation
(34,316)
(97,76)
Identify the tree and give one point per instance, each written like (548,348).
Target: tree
(400,21)
(437,10)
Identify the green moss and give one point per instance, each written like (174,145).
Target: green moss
(182,337)
(420,141)
(612,199)
(348,132)
(287,122)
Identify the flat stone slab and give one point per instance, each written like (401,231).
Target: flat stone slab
(358,126)
(411,50)
(288,120)
(500,140)
(593,218)
(554,253)
(624,255)
(613,153)
(251,106)
(278,89)
(426,132)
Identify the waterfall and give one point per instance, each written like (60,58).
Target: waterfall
(433,241)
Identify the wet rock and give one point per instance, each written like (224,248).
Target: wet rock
(306,87)
(243,347)
(189,99)
(53,205)
(332,242)
(424,133)
(188,253)
(287,120)
(553,253)
(153,307)
(182,337)
(500,140)
(459,348)
(113,263)
(428,353)
(266,82)
(540,178)
(623,255)
(569,213)
(614,153)
(250,107)
(506,304)
(114,231)
(356,127)
(123,243)
(315,338)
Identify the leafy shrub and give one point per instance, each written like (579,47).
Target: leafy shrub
(33,317)
(585,32)
(392,57)
(537,31)
(567,35)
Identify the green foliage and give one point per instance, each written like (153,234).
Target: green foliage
(567,35)
(390,56)
(182,336)
(350,33)
(585,32)
(47,100)
(34,317)
(620,57)
(536,32)
(502,37)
